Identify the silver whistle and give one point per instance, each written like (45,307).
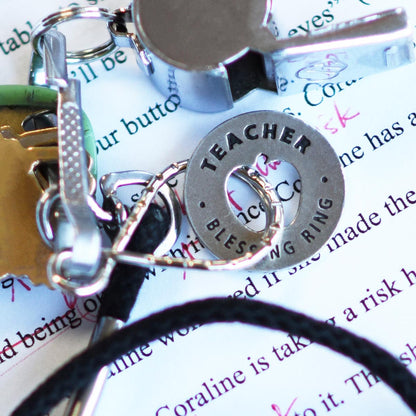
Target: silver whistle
(212,53)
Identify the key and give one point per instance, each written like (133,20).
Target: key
(23,252)
(28,163)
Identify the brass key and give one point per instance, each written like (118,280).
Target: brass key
(28,161)
(22,251)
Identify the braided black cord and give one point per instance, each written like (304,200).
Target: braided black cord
(120,295)
(78,372)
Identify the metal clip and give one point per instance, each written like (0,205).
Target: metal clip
(83,238)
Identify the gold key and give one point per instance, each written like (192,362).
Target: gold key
(25,160)
(22,251)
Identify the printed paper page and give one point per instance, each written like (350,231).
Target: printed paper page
(363,279)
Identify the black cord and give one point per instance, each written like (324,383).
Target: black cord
(121,293)
(78,372)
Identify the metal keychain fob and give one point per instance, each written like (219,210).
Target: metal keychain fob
(211,53)
(238,142)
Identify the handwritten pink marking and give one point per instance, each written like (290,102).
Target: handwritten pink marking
(44,343)
(233,202)
(185,248)
(276,408)
(88,316)
(13,289)
(52,338)
(328,127)
(180,202)
(27,287)
(268,166)
(32,335)
(70,300)
(343,118)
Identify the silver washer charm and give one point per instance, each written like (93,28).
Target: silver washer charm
(238,142)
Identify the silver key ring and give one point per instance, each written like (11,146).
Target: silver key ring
(117,252)
(110,183)
(73,13)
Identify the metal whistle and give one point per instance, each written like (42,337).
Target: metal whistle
(212,53)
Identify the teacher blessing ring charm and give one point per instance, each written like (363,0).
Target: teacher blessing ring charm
(237,143)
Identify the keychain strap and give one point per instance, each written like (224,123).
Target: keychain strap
(78,372)
(121,293)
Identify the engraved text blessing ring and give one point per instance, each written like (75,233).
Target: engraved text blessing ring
(238,142)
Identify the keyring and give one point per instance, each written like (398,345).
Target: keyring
(118,254)
(110,183)
(73,13)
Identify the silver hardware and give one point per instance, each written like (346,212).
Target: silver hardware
(269,238)
(111,182)
(37,70)
(73,13)
(230,38)
(73,172)
(85,401)
(238,142)
(232,50)
(99,213)
(124,39)
(48,207)
(43,214)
